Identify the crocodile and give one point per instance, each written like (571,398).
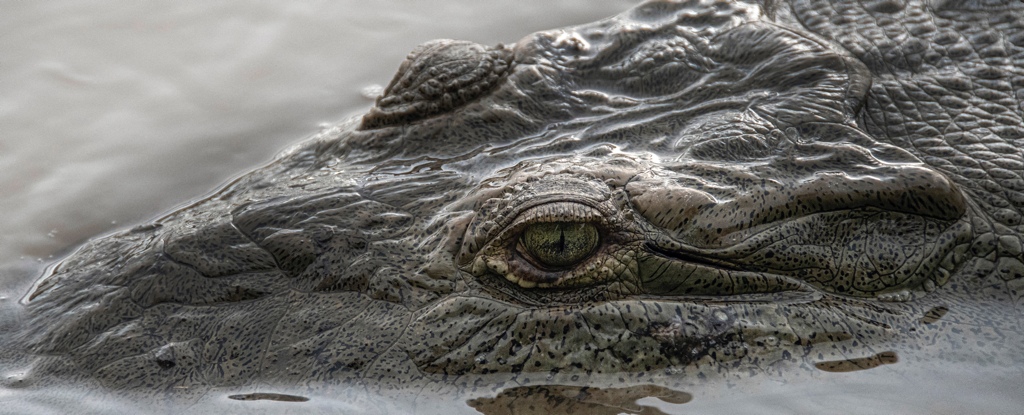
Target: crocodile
(690,192)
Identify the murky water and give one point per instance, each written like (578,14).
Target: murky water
(112,113)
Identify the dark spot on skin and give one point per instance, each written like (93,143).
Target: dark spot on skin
(934,315)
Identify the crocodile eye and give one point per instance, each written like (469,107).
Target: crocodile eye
(559,244)
(553,245)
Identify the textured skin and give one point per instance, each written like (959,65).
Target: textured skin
(779,188)
(438,77)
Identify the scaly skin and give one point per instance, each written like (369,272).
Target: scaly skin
(773,188)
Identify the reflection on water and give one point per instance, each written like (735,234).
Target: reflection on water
(951,388)
(557,399)
(860,363)
(268,396)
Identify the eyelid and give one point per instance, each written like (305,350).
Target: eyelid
(556,212)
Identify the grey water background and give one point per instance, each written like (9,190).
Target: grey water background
(112,113)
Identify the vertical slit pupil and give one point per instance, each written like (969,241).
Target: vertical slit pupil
(557,244)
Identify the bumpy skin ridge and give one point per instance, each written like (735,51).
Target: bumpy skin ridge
(436,78)
(778,189)
(948,85)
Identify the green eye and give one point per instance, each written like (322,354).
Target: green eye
(559,244)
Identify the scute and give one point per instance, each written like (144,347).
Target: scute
(438,77)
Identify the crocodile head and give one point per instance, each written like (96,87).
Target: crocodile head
(684,191)
(647,191)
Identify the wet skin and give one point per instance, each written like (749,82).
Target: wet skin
(687,191)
